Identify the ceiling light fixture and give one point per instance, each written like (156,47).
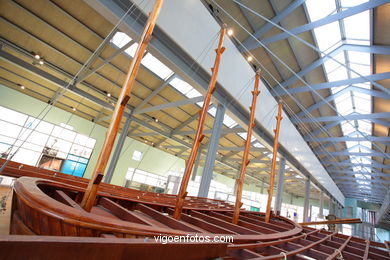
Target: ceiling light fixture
(41,62)
(73,108)
(108,94)
(37,56)
(230,32)
(21,86)
(249,58)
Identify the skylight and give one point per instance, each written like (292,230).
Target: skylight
(350,30)
(229,122)
(156,66)
(120,39)
(320,9)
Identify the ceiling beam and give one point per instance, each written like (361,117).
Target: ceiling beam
(353,116)
(327,85)
(383,139)
(183,102)
(326,20)
(267,26)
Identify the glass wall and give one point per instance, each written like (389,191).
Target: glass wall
(49,146)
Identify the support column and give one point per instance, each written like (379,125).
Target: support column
(321,213)
(212,152)
(279,194)
(117,151)
(307,200)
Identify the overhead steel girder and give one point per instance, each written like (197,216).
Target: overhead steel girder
(362,197)
(377,195)
(327,85)
(353,179)
(345,47)
(192,132)
(348,138)
(317,105)
(182,102)
(375,165)
(156,91)
(362,186)
(373,173)
(265,28)
(347,153)
(353,116)
(310,26)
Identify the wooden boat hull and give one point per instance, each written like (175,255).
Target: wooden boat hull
(50,207)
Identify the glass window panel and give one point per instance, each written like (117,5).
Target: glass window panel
(120,39)
(338,74)
(193,93)
(156,66)
(4,149)
(9,129)
(57,131)
(33,147)
(229,122)
(181,85)
(12,116)
(56,144)
(328,36)
(132,49)
(331,65)
(67,135)
(338,89)
(77,150)
(351,3)
(363,70)
(45,127)
(213,111)
(319,9)
(361,95)
(26,156)
(91,143)
(359,57)
(81,139)
(38,138)
(358,26)
(139,177)
(137,155)
(6,140)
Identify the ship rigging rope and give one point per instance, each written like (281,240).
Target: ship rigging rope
(59,94)
(299,77)
(309,45)
(297,102)
(292,114)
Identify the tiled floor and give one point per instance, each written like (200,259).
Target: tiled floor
(5,215)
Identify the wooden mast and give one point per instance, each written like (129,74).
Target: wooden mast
(273,168)
(245,161)
(199,131)
(90,193)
